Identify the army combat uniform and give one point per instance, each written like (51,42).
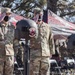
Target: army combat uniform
(6,49)
(41,50)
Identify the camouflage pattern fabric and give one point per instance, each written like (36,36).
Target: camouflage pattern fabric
(42,46)
(7,65)
(6,38)
(39,66)
(6,49)
(40,50)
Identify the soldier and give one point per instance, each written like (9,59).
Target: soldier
(41,48)
(6,45)
(5,12)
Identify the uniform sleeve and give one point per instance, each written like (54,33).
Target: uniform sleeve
(16,46)
(51,42)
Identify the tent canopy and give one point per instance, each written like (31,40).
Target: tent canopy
(61,28)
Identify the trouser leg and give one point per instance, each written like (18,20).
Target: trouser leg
(39,66)
(9,65)
(44,66)
(1,66)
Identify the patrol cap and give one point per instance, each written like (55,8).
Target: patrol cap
(38,11)
(8,10)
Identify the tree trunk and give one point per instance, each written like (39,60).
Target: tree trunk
(52,5)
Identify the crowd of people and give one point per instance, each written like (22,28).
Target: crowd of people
(41,48)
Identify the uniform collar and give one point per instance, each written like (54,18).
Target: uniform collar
(40,23)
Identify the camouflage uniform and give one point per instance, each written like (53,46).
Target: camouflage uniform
(6,49)
(40,50)
(19,51)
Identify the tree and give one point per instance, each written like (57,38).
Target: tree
(52,5)
(22,7)
(63,8)
(66,7)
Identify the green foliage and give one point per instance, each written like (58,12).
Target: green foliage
(63,8)
(66,7)
(22,7)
